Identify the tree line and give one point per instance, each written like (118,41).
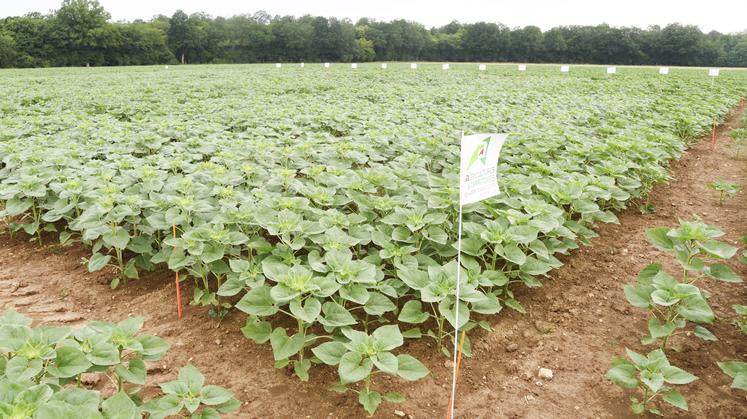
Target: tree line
(80,33)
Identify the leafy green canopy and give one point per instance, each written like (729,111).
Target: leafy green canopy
(330,196)
(41,369)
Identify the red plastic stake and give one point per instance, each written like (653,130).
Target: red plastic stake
(459,361)
(178,290)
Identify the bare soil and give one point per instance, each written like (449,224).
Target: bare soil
(575,323)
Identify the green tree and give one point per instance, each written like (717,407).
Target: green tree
(32,38)
(486,42)
(7,50)
(292,38)
(736,55)
(78,29)
(79,33)
(365,50)
(680,45)
(554,46)
(526,44)
(186,36)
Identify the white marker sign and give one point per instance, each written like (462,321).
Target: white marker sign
(166,67)
(611,70)
(663,70)
(483,67)
(522,67)
(384,65)
(326,65)
(478,167)
(478,180)
(713,72)
(302,65)
(565,68)
(444,66)
(413,66)
(278,65)
(354,65)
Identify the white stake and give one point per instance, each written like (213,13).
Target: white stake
(456,314)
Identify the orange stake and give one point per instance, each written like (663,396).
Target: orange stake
(459,360)
(178,290)
(713,136)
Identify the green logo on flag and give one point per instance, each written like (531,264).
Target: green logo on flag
(481,153)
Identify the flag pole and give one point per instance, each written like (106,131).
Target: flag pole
(474,185)
(456,295)
(713,123)
(456,314)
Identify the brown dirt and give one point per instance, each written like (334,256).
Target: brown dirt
(575,323)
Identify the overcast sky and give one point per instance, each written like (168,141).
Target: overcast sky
(720,15)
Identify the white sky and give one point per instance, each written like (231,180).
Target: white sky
(720,15)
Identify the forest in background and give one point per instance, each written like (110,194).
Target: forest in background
(80,33)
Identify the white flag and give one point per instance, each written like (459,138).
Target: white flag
(478,166)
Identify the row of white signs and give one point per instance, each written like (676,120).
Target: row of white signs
(713,72)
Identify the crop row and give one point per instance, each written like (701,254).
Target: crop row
(333,202)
